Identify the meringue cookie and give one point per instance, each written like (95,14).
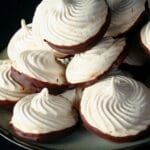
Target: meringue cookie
(69,23)
(41,65)
(22,40)
(43,113)
(125,13)
(118,71)
(10,90)
(117,106)
(145,37)
(90,65)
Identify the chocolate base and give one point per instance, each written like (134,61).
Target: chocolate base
(7,104)
(44,137)
(115,64)
(37,85)
(88,44)
(123,139)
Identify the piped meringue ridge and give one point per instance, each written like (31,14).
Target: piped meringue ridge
(71,31)
(43,117)
(116,108)
(122,23)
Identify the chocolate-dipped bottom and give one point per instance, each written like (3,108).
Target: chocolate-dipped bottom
(34,84)
(95,76)
(117,109)
(71,50)
(43,117)
(76,27)
(7,104)
(47,137)
(130,138)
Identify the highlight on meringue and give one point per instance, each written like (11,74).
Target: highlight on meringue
(24,40)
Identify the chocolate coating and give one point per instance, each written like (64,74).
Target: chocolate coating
(37,85)
(51,136)
(124,139)
(87,44)
(7,104)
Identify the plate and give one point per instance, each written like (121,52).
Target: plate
(79,139)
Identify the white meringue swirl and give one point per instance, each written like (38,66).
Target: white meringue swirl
(117,106)
(124,15)
(43,113)
(42,66)
(93,63)
(145,35)
(10,89)
(23,40)
(68,23)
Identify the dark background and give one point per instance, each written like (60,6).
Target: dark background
(11,12)
(5,145)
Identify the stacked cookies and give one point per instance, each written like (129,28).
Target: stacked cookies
(68,61)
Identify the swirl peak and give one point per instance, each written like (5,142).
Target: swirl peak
(117,106)
(24,26)
(39,99)
(71,26)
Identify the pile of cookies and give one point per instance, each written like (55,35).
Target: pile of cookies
(69,64)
